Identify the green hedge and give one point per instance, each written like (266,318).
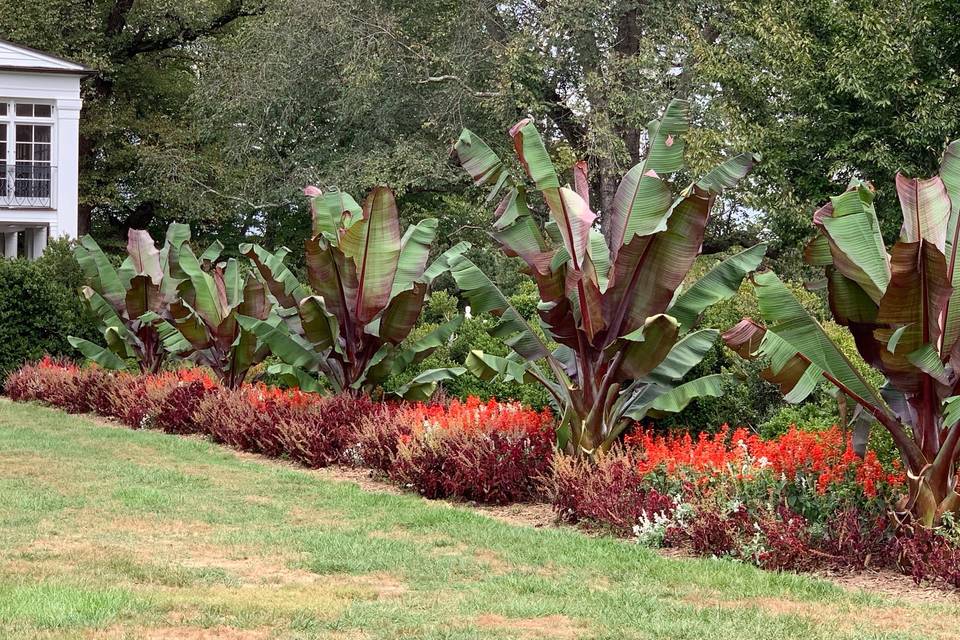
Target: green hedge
(40,307)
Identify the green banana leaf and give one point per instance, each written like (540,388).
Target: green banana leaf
(721,283)
(103,357)
(373,243)
(100,274)
(295,377)
(643,350)
(800,349)
(487,367)
(485,297)
(331,211)
(422,387)
(414,253)
(687,353)
(676,400)
(288,347)
(642,200)
(282,284)
(480,162)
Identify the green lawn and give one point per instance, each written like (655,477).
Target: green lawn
(112,533)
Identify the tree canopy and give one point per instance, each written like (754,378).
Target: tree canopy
(218,112)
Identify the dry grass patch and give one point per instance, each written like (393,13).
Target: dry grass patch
(850,617)
(327,518)
(180,633)
(555,627)
(322,596)
(38,470)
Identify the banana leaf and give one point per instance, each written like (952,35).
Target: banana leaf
(95,353)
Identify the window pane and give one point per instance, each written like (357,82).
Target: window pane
(3,108)
(41,133)
(24,133)
(24,109)
(41,111)
(41,153)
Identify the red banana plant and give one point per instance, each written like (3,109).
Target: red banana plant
(367,286)
(211,297)
(903,310)
(132,302)
(611,303)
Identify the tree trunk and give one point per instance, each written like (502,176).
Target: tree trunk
(609,172)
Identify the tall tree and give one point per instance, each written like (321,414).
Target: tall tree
(830,91)
(356,92)
(137,136)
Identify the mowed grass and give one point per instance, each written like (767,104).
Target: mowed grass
(112,533)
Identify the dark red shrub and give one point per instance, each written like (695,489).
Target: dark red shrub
(607,492)
(310,429)
(43,381)
(854,539)
(176,408)
(128,399)
(713,533)
(495,465)
(19,386)
(56,382)
(229,418)
(927,555)
(319,434)
(376,439)
(786,542)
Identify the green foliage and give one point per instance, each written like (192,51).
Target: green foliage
(39,307)
(809,416)
(749,400)
(869,88)
(472,334)
(440,308)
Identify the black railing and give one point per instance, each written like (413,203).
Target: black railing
(28,186)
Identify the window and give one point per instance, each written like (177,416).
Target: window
(26,153)
(28,110)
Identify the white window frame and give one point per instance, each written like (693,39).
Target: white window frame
(12,120)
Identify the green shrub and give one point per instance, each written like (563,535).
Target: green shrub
(471,335)
(442,307)
(809,416)
(40,307)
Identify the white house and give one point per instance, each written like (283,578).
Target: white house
(39,148)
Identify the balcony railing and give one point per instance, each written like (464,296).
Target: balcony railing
(27,186)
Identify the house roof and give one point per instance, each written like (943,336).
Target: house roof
(17,57)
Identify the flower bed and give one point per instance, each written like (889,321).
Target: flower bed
(803,501)
(494,452)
